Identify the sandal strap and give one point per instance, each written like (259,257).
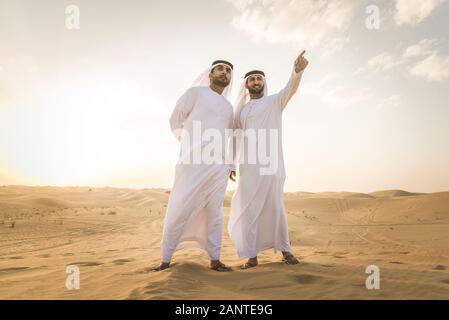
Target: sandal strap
(247,265)
(219,265)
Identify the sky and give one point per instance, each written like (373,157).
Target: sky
(86,102)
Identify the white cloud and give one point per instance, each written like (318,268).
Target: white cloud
(307,22)
(413,12)
(424,47)
(421,60)
(384,62)
(433,68)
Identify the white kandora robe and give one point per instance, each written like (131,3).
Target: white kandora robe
(194,216)
(258,220)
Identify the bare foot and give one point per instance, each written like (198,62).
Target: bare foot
(289,258)
(162,266)
(251,263)
(219,266)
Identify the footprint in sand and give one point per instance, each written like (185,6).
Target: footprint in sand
(358,285)
(439,267)
(306,279)
(7,270)
(67,254)
(397,262)
(327,265)
(44,256)
(121,261)
(445,281)
(86,263)
(262,287)
(146,270)
(13,258)
(150,269)
(162,289)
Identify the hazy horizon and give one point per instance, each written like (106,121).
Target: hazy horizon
(228,190)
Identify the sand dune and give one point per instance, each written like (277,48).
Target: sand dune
(393,193)
(113,236)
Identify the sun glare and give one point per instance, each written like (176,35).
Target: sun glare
(83,132)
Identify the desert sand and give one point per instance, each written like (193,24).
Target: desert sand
(113,236)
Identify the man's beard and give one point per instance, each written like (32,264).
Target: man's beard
(256,90)
(221,81)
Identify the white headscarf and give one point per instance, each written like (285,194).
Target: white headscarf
(203,79)
(244,97)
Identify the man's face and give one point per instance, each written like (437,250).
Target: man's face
(255,84)
(220,75)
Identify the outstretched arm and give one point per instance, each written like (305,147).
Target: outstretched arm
(183,107)
(284,96)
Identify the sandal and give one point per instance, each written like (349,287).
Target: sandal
(290,259)
(162,266)
(219,266)
(251,263)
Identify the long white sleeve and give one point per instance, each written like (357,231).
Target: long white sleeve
(183,107)
(284,96)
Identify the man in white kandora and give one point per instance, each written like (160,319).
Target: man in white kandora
(258,220)
(194,216)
